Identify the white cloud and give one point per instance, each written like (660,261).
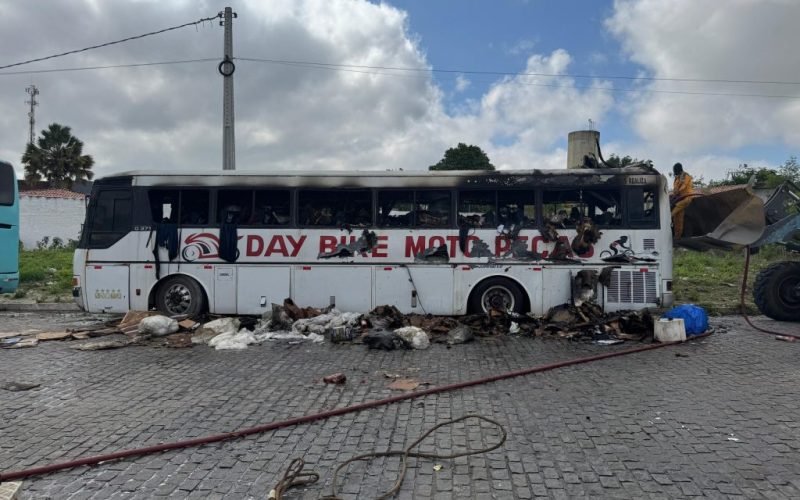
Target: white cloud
(462,83)
(712,39)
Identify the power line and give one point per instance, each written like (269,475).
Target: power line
(195,23)
(506,73)
(346,68)
(110,66)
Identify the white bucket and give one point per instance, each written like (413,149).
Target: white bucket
(670,330)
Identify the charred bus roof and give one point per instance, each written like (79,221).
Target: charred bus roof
(471,179)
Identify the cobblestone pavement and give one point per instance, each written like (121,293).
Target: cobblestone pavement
(719,421)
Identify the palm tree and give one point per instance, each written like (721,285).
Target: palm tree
(58,157)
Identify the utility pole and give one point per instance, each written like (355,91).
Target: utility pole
(33,92)
(226,69)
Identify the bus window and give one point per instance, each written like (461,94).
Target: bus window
(335,208)
(273,208)
(642,212)
(394,208)
(603,206)
(564,208)
(516,208)
(7,184)
(477,209)
(432,208)
(234,205)
(194,207)
(164,205)
(111,218)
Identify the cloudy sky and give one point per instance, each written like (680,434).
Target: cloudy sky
(353,84)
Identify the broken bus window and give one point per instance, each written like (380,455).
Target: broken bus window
(273,208)
(642,211)
(234,205)
(189,206)
(567,208)
(335,208)
(394,208)
(477,208)
(432,208)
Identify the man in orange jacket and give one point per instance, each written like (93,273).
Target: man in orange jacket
(682,189)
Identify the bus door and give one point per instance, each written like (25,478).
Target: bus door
(107,273)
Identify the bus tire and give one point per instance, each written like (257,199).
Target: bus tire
(497,293)
(180,295)
(776,291)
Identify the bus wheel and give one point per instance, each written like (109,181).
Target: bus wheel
(180,295)
(497,293)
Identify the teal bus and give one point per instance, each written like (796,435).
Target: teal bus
(9,229)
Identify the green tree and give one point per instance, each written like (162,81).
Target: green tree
(764,177)
(790,170)
(463,157)
(615,161)
(57,157)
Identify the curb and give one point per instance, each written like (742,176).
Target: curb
(8,491)
(43,307)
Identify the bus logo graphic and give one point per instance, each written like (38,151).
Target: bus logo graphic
(201,246)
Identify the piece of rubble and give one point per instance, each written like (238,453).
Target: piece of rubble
(133,318)
(80,335)
(104,343)
(223,325)
(460,335)
(335,378)
(189,324)
(9,341)
(233,340)
(385,340)
(203,335)
(179,340)
(323,323)
(404,384)
(18,386)
(158,326)
(23,343)
(415,337)
(53,335)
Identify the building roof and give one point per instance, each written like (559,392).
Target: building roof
(53,193)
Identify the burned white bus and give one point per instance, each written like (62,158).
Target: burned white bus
(429,242)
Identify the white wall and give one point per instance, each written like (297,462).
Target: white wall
(40,217)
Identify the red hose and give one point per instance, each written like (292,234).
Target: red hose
(10,476)
(741,300)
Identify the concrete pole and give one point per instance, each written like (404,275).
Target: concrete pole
(226,68)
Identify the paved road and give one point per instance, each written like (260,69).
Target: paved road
(719,421)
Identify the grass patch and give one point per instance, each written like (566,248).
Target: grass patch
(45,274)
(713,279)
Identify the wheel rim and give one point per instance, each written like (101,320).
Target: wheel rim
(789,292)
(178,299)
(497,297)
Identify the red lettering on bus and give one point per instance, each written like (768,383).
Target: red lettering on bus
(327,244)
(435,241)
(296,244)
(414,247)
(379,250)
(255,245)
(501,245)
(468,249)
(453,243)
(276,245)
